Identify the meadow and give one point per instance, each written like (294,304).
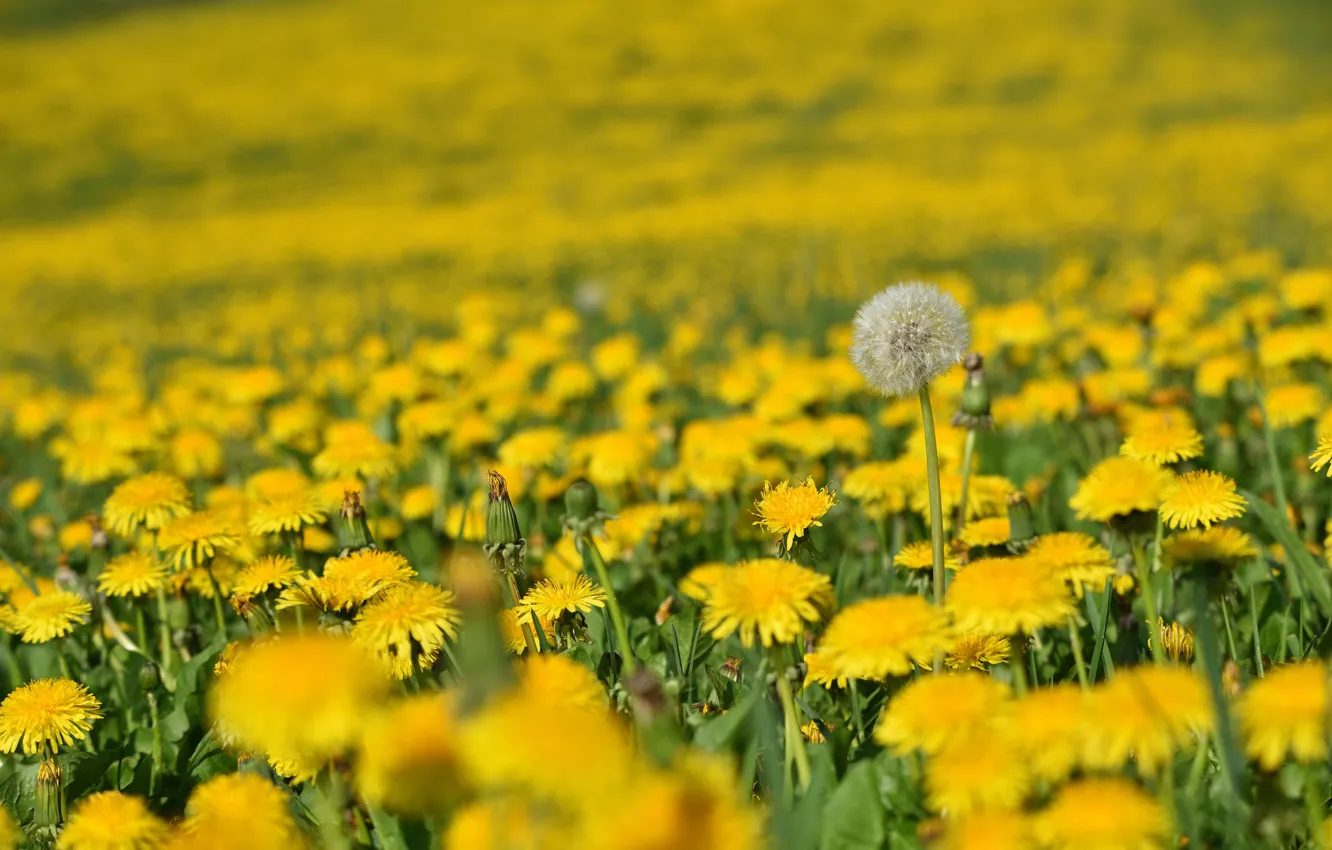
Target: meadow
(507,427)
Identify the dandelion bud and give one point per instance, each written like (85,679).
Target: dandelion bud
(974,409)
(1021,528)
(50,796)
(149,677)
(358,528)
(580,500)
(501,519)
(906,336)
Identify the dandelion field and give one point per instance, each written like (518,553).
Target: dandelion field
(506,427)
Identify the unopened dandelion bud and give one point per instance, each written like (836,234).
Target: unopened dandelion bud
(150,677)
(50,794)
(974,408)
(358,527)
(580,500)
(501,518)
(906,336)
(1021,526)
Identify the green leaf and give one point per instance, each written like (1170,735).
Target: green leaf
(87,771)
(1303,571)
(853,817)
(187,679)
(717,734)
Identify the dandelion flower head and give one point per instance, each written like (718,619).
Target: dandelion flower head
(906,336)
(790,511)
(766,599)
(149,501)
(47,712)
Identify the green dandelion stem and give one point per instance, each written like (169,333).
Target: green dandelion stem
(1075,640)
(1313,807)
(528,638)
(1018,664)
(218,612)
(617,617)
(856,713)
(1198,769)
(141,627)
(12,667)
(1149,603)
(1257,635)
(936,505)
(1207,643)
(1230,633)
(1273,460)
(158,747)
(968,451)
(164,636)
(795,741)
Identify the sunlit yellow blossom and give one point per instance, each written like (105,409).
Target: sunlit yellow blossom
(1007,595)
(306,695)
(1293,404)
(90,461)
(193,539)
(1220,545)
(550,599)
(1075,557)
(407,757)
(920,556)
(990,531)
(1200,498)
(285,514)
(769,600)
(150,500)
(1146,713)
(1117,487)
(882,487)
(1322,456)
(557,681)
(407,626)
(1285,712)
(1162,440)
(1046,727)
(878,638)
(25,493)
(132,574)
(271,571)
(110,820)
(932,711)
(240,811)
(1176,639)
(996,830)
(52,615)
(983,773)
(1102,814)
(353,449)
(976,651)
(46,713)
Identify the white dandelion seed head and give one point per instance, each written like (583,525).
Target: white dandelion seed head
(908,335)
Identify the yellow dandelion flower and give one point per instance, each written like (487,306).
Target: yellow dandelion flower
(1147,713)
(406,627)
(285,514)
(1102,814)
(920,556)
(535,448)
(419,502)
(191,540)
(1162,440)
(819,668)
(24,494)
(976,651)
(878,638)
(812,733)
(149,501)
(511,628)
(1117,487)
(1322,456)
(550,599)
(506,822)
(1293,404)
(989,831)
(1007,595)
(614,458)
(983,773)
(132,574)
(11,834)
(691,805)
(882,487)
(408,759)
(110,820)
(306,696)
(52,615)
(278,483)
(243,811)
(87,461)
(1200,498)
(1046,727)
(195,453)
(932,711)
(1220,545)
(349,581)
(1075,557)
(1285,712)
(47,712)
(990,531)
(697,583)
(790,511)
(352,449)
(766,598)
(271,571)
(557,681)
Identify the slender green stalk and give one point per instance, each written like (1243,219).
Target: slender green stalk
(528,638)
(968,451)
(1075,640)
(936,506)
(1149,603)
(1018,664)
(164,637)
(1313,807)
(218,613)
(855,709)
(617,617)
(1196,771)
(1257,637)
(795,740)
(141,627)
(1208,645)
(1230,633)
(12,663)
(158,746)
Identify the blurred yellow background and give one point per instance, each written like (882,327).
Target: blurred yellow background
(391,153)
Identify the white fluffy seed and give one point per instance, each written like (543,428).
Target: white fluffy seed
(908,335)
